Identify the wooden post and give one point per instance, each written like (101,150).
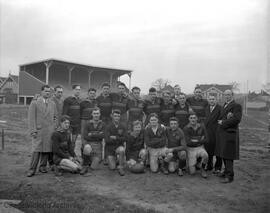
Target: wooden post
(3,139)
(70,68)
(48,64)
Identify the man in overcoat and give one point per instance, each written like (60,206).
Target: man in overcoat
(227,146)
(211,124)
(42,118)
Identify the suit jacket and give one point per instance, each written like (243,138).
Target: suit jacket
(211,124)
(227,145)
(42,120)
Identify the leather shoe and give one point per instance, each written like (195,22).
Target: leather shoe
(227,180)
(43,170)
(30,173)
(221,175)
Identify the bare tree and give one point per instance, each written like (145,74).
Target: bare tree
(161,83)
(235,86)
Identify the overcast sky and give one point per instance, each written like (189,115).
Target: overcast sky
(187,42)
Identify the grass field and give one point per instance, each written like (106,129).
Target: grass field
(106,191)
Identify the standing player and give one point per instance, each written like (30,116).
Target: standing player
(58,100)
(72,109)
(115,136)
(182,111)
(177,92)
(176,147)
(86,108)
(156,141)
(198,104)
(104,102)
(196,137)
(135,151)
(166,109)
(135,106)
(211,124)
(93,136)
(152,105)
(120,102)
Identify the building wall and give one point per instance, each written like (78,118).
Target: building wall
(28,85)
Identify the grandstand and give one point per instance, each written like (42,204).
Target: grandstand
(53,72)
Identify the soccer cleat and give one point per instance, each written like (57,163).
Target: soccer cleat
(227,180)
(57,171)
(203,173)
(84,170)
(30,173)
(121,171)
(180,172)
(164,170)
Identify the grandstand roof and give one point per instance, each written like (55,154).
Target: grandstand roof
(64,62)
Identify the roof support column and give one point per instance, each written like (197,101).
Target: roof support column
(70,68)
(89,77)
(129,83)
(48,64)
(111,78)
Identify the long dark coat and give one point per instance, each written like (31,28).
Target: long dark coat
(211,125)
(227,146)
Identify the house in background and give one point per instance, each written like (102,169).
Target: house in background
(2,79)
(216,90)
(9,90)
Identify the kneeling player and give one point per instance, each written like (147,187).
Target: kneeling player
(196,137)
(135,151)
(176,147)
(155,140)
(63,153)
(93,136)
(115,136)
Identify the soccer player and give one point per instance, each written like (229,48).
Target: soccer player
(93,136)
(63,152)
(196,137)
(182,111)
(166,109)
(115,136)
(57,98)
(198,104)
(135,107)
(176,147)
(135,150)
(156,141)
(177,91)
(104,102)
(86,108)
(152,104)
(71,108)
(120,101)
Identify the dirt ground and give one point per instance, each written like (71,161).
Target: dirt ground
(106,191)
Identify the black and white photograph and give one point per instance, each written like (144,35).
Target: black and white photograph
(132,106)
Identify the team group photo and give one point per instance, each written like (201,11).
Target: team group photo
(131,106)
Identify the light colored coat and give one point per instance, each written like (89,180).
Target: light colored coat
(42,120)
